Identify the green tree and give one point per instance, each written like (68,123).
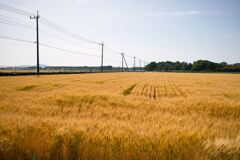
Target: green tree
(151,66)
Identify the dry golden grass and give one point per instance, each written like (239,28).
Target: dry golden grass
(120,116)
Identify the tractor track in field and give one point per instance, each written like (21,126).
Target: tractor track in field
(157,90)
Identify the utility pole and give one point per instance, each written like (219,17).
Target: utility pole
(102,44)
(140,63)
(144,65)
(122,61)
(125,62)
(134,63)
(37,42)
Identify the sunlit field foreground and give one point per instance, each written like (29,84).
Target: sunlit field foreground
(120,116)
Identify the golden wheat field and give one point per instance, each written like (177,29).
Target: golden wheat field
(122,116)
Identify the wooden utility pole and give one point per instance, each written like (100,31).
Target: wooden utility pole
(144,63)
(37,41)
(102,44)
(125,62)
(140,64)
(122,61)
(134,63)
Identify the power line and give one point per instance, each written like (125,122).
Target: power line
(9,22)
(15,10)
(15,39)
(129,56)
(12,23)
(66,40)
(55,27)
(65,31)
(109,59)
(18,3)
(69,51)
(53,47)
(113,51)
(117,53)
(46,22)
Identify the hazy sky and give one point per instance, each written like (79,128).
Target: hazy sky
(153,30)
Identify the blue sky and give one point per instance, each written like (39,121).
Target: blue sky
(153,30)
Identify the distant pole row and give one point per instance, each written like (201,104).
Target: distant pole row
(58,28)
(102,45)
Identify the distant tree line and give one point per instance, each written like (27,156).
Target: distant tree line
(72,68)
(84,68)
(199,65)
